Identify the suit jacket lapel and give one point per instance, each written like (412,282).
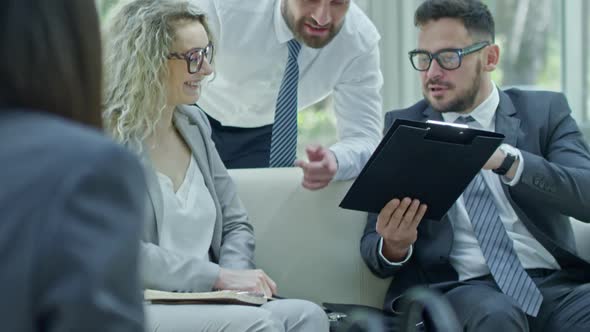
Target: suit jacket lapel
(431,114)
(155,195)
(506,122)
(195,141)
(192,132)
(193,137)
(508,125)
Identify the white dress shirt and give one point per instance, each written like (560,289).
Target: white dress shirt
(466,255)
(250,59)
(189,214)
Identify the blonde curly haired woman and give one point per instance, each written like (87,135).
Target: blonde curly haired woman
(197,236)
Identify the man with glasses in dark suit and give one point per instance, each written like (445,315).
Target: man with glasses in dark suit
(504,255)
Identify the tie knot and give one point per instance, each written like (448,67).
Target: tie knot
(294,48)
(465,119)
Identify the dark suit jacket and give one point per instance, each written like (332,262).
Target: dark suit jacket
(71,206)
(554,185)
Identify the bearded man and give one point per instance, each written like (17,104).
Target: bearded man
(275,57)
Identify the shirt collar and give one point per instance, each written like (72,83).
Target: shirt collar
(284,34)
(483,113)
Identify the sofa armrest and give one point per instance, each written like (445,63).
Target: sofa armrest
(304,241)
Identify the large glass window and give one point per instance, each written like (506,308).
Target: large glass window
(529,35)
(544,46)
(316,125)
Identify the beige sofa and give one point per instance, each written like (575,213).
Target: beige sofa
(309,245)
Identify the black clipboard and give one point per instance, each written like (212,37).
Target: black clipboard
(431,161)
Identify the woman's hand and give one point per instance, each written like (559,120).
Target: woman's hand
(246,280)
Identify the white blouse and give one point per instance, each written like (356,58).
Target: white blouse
(189,214)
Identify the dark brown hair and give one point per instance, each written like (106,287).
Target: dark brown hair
(50,58)
(474,14)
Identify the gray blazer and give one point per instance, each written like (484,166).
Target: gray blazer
(233,235)
(71,203)
(555,184)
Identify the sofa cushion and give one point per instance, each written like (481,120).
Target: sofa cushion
(304,241)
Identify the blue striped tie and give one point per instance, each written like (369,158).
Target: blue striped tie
(283,144)
(498,249)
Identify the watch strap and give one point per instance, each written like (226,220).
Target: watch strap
(506,164)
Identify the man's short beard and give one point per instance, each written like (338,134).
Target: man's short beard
(297,27)
(465,101)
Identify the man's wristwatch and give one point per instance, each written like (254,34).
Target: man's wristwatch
(508,160)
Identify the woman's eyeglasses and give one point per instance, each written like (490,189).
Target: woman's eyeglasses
(194,57)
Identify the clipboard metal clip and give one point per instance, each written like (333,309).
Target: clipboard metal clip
(458,125)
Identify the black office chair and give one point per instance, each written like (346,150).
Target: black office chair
(425,310)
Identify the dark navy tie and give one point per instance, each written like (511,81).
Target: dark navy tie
(497,247)
(283,145)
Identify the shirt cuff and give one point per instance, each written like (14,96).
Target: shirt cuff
(408,255)
(519,170)
(336,176)
(342,173)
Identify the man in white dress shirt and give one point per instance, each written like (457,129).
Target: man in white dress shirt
(339,56)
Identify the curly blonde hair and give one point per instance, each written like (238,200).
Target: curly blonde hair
(138,37)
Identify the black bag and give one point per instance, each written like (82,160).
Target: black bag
(422,309)
(360,318)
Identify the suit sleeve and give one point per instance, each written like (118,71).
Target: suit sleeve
(560,178)
(370,251)
(166,270)
(89,254)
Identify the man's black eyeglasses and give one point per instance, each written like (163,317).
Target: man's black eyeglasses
(194,57)
(448,58)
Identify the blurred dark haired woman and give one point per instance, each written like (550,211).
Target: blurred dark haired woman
(71,200)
